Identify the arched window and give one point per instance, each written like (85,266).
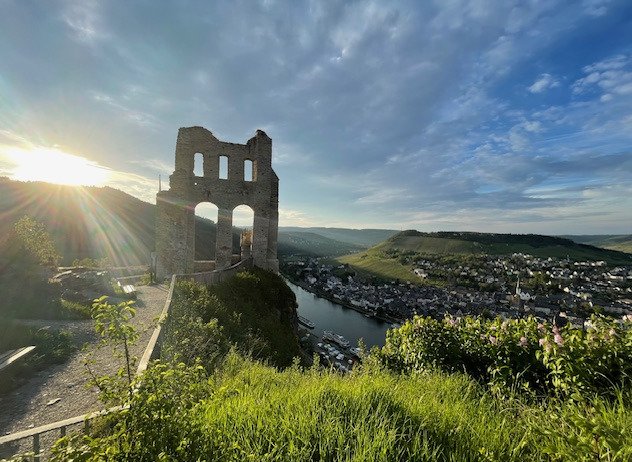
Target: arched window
(223,167)
(248,170)
(198,164)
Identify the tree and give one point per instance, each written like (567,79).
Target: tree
(27,255)
(36,240)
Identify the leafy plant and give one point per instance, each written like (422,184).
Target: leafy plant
(517,355)
(112,324)
(36,239)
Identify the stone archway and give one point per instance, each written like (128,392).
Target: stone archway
(234,174)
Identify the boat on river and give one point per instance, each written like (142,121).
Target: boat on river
(306,322)
(336,338)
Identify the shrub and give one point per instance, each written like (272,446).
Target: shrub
(253,311)
(518,354)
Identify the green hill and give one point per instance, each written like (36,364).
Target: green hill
(620,242)
(313,245)
(357,237)
(500,244)
(94,222)
(375,261)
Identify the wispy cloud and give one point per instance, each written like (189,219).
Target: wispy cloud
(472,113)
(544,82)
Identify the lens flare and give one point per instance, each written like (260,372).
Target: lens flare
(55,166)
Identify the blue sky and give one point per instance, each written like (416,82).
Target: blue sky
(512,116)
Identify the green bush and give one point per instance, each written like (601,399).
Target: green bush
(252,311)
(517,355)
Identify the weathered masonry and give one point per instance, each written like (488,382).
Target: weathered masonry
(233,175)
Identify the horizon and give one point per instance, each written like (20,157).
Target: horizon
(248,218)
(493,118)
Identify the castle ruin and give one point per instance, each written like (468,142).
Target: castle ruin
(175,222)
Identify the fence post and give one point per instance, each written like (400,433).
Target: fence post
(36,448)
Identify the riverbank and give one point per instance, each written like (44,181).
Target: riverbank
(344,304)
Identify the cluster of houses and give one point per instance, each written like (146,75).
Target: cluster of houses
(506,286)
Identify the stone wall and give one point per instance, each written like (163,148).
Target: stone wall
(175,222)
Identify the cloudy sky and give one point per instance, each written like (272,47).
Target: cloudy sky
(507,116)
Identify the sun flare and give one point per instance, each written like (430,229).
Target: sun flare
(54,166)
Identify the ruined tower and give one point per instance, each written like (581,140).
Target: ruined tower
(175,222)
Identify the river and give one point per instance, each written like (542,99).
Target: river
(341,320)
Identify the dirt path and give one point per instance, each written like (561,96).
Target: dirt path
(26,406)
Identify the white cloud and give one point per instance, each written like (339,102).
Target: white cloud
(155,165)
(544,82)
(135,116)
(595,8)
(83,19)
(289,217)
(609,76)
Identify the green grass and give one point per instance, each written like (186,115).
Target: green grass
(74,310)
(246,411)
(51,347)
(258,413)
(373,263)
(242,409)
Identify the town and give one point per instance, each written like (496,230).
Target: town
(554,289)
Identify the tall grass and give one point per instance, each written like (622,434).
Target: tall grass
(249,411)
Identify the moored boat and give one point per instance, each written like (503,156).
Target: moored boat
(336,338)
(306,322)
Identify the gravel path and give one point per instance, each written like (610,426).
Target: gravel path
(26,406)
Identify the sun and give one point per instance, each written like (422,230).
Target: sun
(55,166)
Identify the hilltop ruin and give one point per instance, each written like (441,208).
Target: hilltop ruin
(227,187)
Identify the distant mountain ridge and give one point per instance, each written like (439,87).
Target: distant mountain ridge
(101,222)
(93,222)
(620,242)
(356,237)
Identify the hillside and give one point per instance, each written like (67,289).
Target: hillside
(105,222)
(357,237)
(94,222)
(500,244)
(313,245)
(418,398)
(373,260)
(620,242)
